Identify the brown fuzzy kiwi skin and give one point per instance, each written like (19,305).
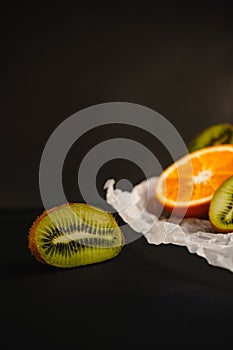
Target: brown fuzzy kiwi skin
(32,241)
(32,232)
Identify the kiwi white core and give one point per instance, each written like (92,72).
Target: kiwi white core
(76,236)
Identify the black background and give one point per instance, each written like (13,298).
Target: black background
(56,59)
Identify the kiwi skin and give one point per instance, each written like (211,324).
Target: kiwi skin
(32,234)
(94,253)
(214,135)
(215,209)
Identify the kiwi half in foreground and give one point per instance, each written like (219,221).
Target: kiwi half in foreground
(214,135)
(75,234)
(221,207)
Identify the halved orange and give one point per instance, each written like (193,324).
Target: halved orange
(187,186)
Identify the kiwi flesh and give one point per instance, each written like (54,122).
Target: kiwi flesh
(214,135)
(75,234)
(221,207)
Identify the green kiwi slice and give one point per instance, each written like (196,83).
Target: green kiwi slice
(214,135)
(75,234)
(221,207)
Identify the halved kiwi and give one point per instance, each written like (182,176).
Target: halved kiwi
(75,234)
(214,135)
(221,207)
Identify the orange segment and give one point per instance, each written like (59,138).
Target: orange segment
(189,183)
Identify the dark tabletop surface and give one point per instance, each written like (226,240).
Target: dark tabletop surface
(147,296)
(58,58)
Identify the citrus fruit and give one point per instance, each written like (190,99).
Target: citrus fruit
(187,186)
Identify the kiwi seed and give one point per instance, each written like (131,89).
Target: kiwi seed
(214,135)
(221,207)
(75,234)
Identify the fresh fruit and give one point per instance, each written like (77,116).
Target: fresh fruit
(221,207)
(187,186)
(75,234)
(214,135)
